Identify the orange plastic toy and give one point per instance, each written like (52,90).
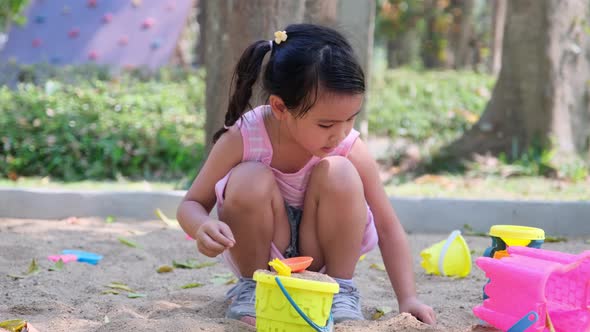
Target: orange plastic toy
(298,264)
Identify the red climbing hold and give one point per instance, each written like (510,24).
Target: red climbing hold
(74,33)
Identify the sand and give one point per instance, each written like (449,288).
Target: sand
(71,299)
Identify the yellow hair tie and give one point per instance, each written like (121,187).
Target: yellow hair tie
(280,36)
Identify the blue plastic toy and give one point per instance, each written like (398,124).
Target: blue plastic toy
(84,256)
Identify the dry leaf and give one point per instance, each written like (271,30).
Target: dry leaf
(467,115)
(192,285)
(128,242)
(33,268)
(381,311)
(13,176)
(169,222)
(13,324)
(59,265)
(192,264)
(377,266)
(224,279)
(165,269)
(118,285)
(555,239)
(434,179)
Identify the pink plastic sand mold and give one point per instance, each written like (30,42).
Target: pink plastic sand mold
(554,285)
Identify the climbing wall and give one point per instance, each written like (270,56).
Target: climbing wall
(119,33)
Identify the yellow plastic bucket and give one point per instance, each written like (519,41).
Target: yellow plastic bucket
(450,257)
(275,313)
(514,235)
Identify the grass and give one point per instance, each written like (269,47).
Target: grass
(120,185)
(490,187)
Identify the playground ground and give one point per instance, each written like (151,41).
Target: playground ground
(72,299)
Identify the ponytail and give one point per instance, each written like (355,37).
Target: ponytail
(245,75)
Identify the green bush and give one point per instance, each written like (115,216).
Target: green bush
(431,108)
(85,122)
(91,125)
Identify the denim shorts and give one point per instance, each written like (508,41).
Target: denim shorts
(294,216)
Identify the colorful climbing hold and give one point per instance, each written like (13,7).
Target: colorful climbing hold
(74,33)
(148,23)
(36,42)
(92,55)
(170,6)
(123,41)
(155,44)
(92,3)
(136,3)
(39,19)
(107,18)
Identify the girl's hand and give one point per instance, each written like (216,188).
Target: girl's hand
(419,310)
(214,237)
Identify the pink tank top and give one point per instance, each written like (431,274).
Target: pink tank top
(257,147)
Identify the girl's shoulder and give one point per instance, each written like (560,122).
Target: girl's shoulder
(254,117)
(229,144)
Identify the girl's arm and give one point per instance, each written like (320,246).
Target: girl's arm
(200,198)
(392,237)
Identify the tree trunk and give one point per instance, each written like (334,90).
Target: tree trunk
(432,53)
(202,37)
(231,26)
(542,97)
(356,20)
(461,33)
(322,12)
(498,20)
(393,46)
(403,50)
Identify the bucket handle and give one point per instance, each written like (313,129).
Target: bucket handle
(525,322)
(445,248)
(311,323)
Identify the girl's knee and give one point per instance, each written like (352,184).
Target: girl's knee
(337,174)
(249,183)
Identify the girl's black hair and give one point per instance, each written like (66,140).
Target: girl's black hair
(313,56)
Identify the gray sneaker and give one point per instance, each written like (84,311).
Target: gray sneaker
(243,299)
(346,304)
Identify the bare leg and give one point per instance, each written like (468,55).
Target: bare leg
(334,217)
(254,210)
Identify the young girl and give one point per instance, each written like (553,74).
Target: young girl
(292,178)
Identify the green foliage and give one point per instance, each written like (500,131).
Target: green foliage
(430,109)
(10,10)
(102,127)
(535,161)
(538,161)
(394,17)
